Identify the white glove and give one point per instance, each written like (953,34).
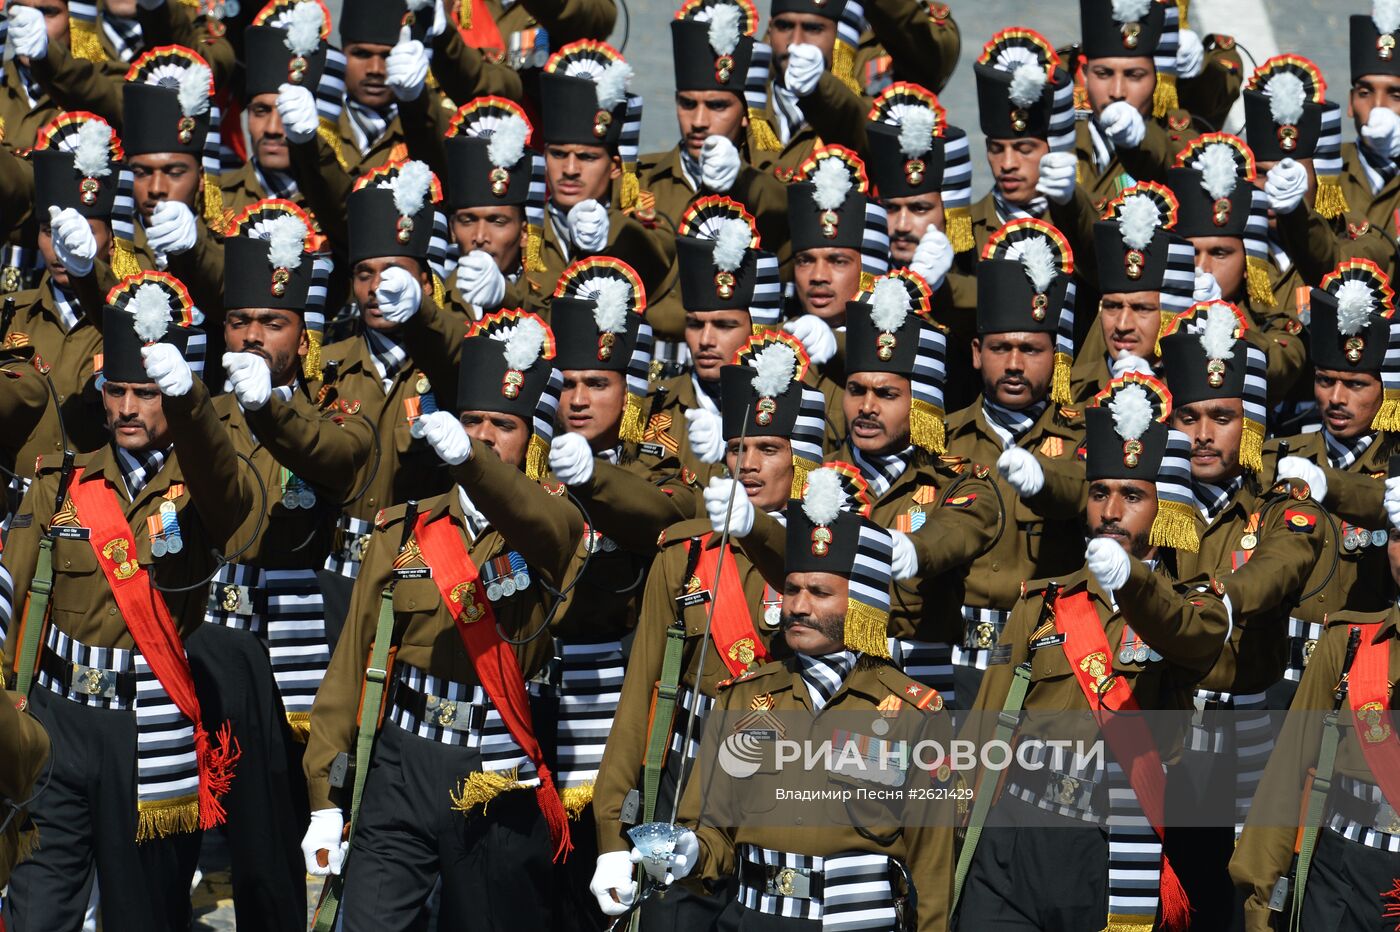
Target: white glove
(446,435)
(1285,186)
(73,242)
(479,281)
(1392,501)
(1190,54)
(804,69)
(571,459)
(933,257)
(1205,287)
(29,37)
(168,369)
(1121,123)
(1127,362)
(1057,176)
(904,562)
(1382,132)
(588,225)
(171,229)
(399,294)
(324,834)
(1021,470)
(719,164)
(296,106)
(740,515)
(407,66)
(706,434)
(439,20)
(1295,467)
(613,873)
(1109,563)
(683,858)
(250,377)
(815,335)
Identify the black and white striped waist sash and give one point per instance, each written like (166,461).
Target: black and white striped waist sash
(685,699)
(982,629)
(844,892)
(455,714)
(1302,641)
(351,540)
(590,687)
(1360,813)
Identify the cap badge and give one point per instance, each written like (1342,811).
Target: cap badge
(1040,304)
(405,228)
(884,346)
(914,172)
(1020,119)
(724,69)
(500,181)
(829,220)
(606,342)
(821,541)
(1220,211)
(1354,347)
(601,121)
(764,411)
(1215,373)
(296,69)
(1385,46)
(724,284)
(1132,453)
(1133,263)
(186,130)
(1288,137)
(87,190)
(512,382)
(280,277)
(1131,32)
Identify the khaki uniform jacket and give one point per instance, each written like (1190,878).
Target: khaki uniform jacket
(1265,848)
(908,41)
(566,20)
(525,291)
(1366,231)
(543,528)
(625,756)
(241,188)
(728,813)
(24,753)
(24,400)
(667,426)
(1148,162)
(834,115)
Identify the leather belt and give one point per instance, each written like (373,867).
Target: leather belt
(801,883)
(82,680)
(443,713)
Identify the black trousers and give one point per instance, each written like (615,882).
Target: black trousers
(496,864)
(266,804)
(736,918)
(1345,884)
(86,818)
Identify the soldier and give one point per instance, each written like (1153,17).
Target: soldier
(1120,635)
(26,755)
(456,785)
(521,35)
(112,674)
(773,440)
(875,866)
(906,41)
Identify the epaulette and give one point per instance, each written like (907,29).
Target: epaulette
(956,463)
(909,691)
(683,531)
(387,517)
(1033,588)
(1337,619)
(748,675)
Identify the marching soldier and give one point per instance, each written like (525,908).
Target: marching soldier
(907,41)
(522,35)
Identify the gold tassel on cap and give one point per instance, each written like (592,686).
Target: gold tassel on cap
(124,259)
(439,291)
(1252,446)
(867,629)
(957,223)
(800,469)
(867,282)
(159,818)
(1261,291)
(761,132)
(300,723)
(631,187)
(215,217)
(926,427)
(1388,417)
(534,248)
(311,362)
(1331,200)
(631,428)
(576,799)
(478,789)
(843,66)
(329,133)
(1059,381)
(84,42)
(1175,526)
(536,458)
(1164,99)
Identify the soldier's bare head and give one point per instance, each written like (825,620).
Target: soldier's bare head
(825,281)
(1132,79)
(763,468)
(135,415)
(592,404)
(814,612)
(367,74)
(877,405)
(506,435)
(1348,401)
(1016,367)
(266,135)
(164,176)
(1371,91)
(1123,510)
(1215,427)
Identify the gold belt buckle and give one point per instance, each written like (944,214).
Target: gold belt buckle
(1066,791)
(986,635)
(230,602)
(356,550)
(784,881)
(441,711)
(90,681)
(1309,646)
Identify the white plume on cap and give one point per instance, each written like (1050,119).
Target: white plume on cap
(1287,94)
(731,243)
(724,28)
(507,143)
(1138,220)
(1027,83)
(286,242)
(1386,15)
(833,182)
(1132,412)
(194,90)
(889,305)
(1218,334)
(824,497)
(611,85)
(1039,261)
(1220,174)
(1354,305)
(303,26)
(150,305)
(92,155)
(523,343)
(411,186)
(1130,11)
(916,131)
(774,366)
(610,297)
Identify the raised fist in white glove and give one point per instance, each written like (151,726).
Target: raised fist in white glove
(1392,501)
(399,294)
(1295,467)
(571,459)
(805,65)
(1190,54)
(933,257)
(29,37)
(738,515)
(446,435)
(815,335)
(683,857)
(439,20)
(706,434)
(479,281)
(171,229)
(324,834)
(904,562)
(1021,470)
(588,225)
(1127,362)
(407,66)
(1109,563)
(1382,132)
(1057,176)
(719,164)
(168,369)
(1205,287)
(73,242)
(612,884)
(250,378)
(296,106)
(1121,122)
(1286,185)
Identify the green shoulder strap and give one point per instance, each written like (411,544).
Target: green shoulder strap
(39,589)
(663,720)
